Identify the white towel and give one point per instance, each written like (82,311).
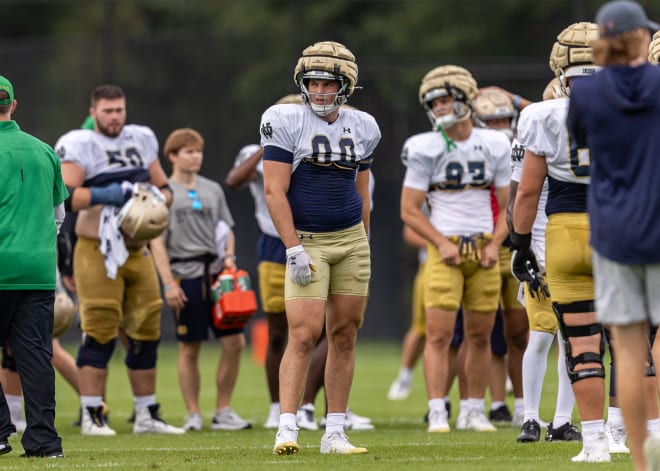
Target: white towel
(111,242)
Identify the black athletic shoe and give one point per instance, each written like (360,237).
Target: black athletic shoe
(566,433)
(5,447)
(50,454)
(501,414)
(529,432)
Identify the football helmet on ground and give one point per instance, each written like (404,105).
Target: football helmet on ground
(145,215)
(327,60)
(448,80)
(571,54)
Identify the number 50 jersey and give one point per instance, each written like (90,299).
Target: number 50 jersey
(458,179)
(110,159)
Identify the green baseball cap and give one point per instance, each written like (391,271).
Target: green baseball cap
(5,85)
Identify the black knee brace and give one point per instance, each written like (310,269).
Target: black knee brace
(580,331)
(94,354)
(142,354)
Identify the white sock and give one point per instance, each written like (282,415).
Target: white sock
(565,396)
(287,421)
(534,364)
(436,404)
(275,408)
(476,403)
(142,402)
(463,407)
(519,405)
(591,429)
(15,404)
(91,401)
(335,422)
(614,416)
(653,426)
(496,405)
(405,375)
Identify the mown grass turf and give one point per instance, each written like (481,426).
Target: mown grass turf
(400,439)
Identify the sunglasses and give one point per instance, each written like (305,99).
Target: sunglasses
(196,202)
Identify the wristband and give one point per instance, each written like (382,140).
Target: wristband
(516,102)
(170,285)
(520,241)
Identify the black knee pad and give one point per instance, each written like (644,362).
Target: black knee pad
(142,354)
(8,361)
(580,331)
(94,354)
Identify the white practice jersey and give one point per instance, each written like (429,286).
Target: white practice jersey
(349,140)
(538,229)
(135,147)
(261,213)
(542,130)
(458,181)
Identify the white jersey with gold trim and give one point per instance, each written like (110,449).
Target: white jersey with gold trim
(348,140)
(135,147)
(458,181)
(542,130)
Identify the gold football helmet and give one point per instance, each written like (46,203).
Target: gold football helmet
(65,313)
(571,55)
(448,80)
(492,104)
(654,49)
(145,215)
(327,60)
(553,90)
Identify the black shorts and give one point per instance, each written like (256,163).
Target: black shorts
(195,320)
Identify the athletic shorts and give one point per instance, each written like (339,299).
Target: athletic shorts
(271,286)
(541,316)
(626,294)
(131,301)
(195,320)
(497,340)
(476,287)
(568,258)
(342,260)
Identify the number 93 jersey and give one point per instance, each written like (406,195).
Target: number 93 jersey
(110,159)
(458,177)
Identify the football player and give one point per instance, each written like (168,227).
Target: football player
(116,281)
(453,167)
(494,109)
(316,182)
(549,152)
(542,323)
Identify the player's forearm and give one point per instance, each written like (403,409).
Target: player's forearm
(242,173)
(524,212)
(280,213)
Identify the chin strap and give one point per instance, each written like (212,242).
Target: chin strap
(451,145)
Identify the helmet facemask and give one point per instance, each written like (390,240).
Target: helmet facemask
(340,96)
(460,110)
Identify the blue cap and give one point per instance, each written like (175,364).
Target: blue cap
(621,16)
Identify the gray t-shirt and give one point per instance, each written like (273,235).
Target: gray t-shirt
(194,215)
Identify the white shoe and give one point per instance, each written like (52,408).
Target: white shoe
(399,390)
(461,420)
(356,422)
(193,422)
(227,419)
(438,420)
(305,417)
(518,418)
(596,451)
(616,438)
(148,420)
(337,442)
(93,422)
(652,453)
(286,441)
(477,421)
(273,420)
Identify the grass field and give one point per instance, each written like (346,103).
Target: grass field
(400,438)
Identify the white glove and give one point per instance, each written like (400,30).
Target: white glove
(299,265)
